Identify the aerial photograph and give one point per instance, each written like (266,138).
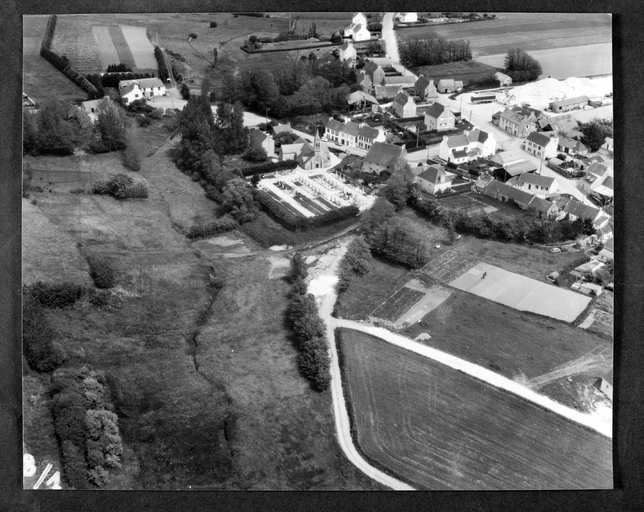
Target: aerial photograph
(338,251)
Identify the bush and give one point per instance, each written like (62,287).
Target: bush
(101,272)
(255,155)
(185,91)
(42,352)
(120,186)
(56,295)
(216,227)
(118,68)
(269,167)
(213,24)
(192,35)
(155,113)
(74,466)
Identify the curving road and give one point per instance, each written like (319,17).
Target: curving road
(389,36)
(342,421)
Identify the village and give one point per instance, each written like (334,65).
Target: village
(405,199)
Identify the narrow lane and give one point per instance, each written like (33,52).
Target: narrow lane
(389,36)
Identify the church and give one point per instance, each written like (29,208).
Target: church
(309,156)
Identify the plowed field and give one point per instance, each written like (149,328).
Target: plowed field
(440,429)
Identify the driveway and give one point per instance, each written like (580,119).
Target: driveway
(389,36)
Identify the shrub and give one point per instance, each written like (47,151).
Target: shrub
(185,91)
(56,295)
(101,272)
(163,69)
(120,186)
(118,68)
(213,24)
(192,35)
(269,167)
(255,155)
(74,465)
(155,113)
(216,227)
(42,352)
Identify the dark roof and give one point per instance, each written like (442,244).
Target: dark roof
(259,136)
(368,132)
(457,141)
(282,128)
(570,101)
(610,245)
(609,377)
(370,67)
(422,83)
(518,195)
(538,138)
(608,183)
(536,179)
(435,110)
(496,186)
(540,204)
(345,45)
(402,98)
(334,124)
(477,136)
(459,153)
(384,154)
(581,210)
(433,174)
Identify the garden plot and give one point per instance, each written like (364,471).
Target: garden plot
(521,292)
(448,266)
(107,53)
(141,48)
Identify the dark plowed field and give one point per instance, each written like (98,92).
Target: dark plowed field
(440,429)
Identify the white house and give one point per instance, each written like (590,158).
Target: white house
(149,87)
(468,146)
(439,117)
(383,157)
(360,33)
(406,17)
(347,51)
(541,145)
(130,93)
(447,85)
(343,134)
(368,135)
(541,186)
(404,105)
(359,19)
(434,180)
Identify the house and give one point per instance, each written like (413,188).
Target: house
(563,124)
(448,85)
(595,177)
(150,87)
(541,145)
(359,100)
(368,135)
(383,157)
(514,195)
(406,81)
(607,254)
(363,81)
(504,80)
(467,146)
(347,51)
(309,155)
(374,71)
(434,180)
(406,17)
(343,134)
(359,19)
(359,32)
(571,147)
(605,233)
(608,144)
(578,210)
(519,121)
(536,184)
(542,207)
(605,384)
(384,92)
(130,93)
(281,128)
(505,158)
(404,105)
(425,89)
(569,104)
(585,162)
(91,106)
(260,139)
(439,117)
(84,120)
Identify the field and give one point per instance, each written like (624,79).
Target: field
(397,304)
(138,43)
(448,266)
(529,31)
(440,429)
(122,47)
(73,38)
(107,52)
(521,292)
(40,78)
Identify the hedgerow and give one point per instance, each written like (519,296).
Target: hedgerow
(269,167)
(56,295)
(164,74)
(113,79)
(101,272)
(40,348)
(120,186)
(216,227)
(62,64)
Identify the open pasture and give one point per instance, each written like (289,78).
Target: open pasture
(521,292)
(529,31)
(123,49)
(107,52)
(73,38)
(440,429)
(140,47)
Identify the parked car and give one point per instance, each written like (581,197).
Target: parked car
(555,249)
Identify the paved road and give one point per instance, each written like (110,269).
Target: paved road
(389,36)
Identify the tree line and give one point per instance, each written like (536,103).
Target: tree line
(434,50)
(521,67)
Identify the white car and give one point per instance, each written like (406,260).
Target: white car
(555,249)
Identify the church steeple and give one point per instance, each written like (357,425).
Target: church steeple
(316,143)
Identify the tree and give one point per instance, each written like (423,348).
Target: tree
(134,153)
(336,37)
(55,134)
(185,91)
(376,216)
(595,133)
(257,154)
(111,125)
(238,200)
(399,186)
(29,132)
(521,66)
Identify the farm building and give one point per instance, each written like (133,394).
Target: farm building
(504,80)
(474,144)
(347,51)
(383,157)
(544,208)
(569,104)
(359,101)
(425,89)
(91,106)
(535,184)
(404,105)
(406,17)
(149,87)
(541,145)
(448,85)
(434,180)
(385,92)
(439,117)
(260,139)
(570,146)
(519,121)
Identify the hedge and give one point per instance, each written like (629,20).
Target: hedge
(101,272)
(42,352)
(49,33)
(269,167)
(63,65)
(120,186)
(113,79)
(56,295)
(216,227)
(177,72)
(163,69)
(294,222)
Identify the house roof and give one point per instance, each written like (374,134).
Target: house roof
(538,138)
(477,136)
(541,205)
(350,128)
(422,83)
(334,124)
(91,103)
(282,128)
(405,79)
(520,168)
(370,67)
(346,45)
(536,179)
(368,132)
(259,136)
(501,76)
(597,169)
(294,148)
(387,91)
(436,110)
(459,153)
(578,209)
(518,195)
(357,96)
(610,245)
(508,157)
(402,98)
(446,82)
(434,173)
(457,141)
(496,186)
(609,377)
(128,89)
(570,101)
(384,154)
